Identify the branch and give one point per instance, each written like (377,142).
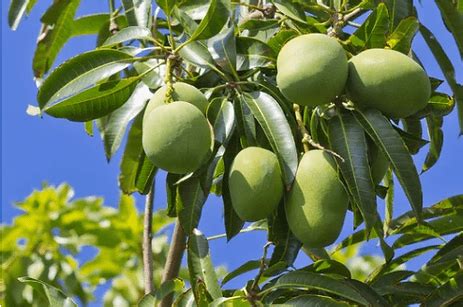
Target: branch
(174,260)
(147,240)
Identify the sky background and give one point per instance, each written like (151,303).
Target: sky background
(36,150)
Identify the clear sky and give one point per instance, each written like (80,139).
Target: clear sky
(35,150)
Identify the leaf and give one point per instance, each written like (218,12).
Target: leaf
(347,138)
(189,202)
(153,72)
(89,24)
(393,148)
(166,5)
(289,9)
(117,121)
(436,135)
(399,10)
(307,280)
(222,48)
(447,294)
(315,300)
(95,102)
(200,265)
(368,293)
(145,174)
(127,34)
(80,72)
(372,33)
(252,53)
(273,121)
(246,123)
(235,301)
(196,53)
(138,12)
(402,37)
(57,30)
(16,12)
(280,39)
(453,19)
(244,268)
(328,266)
(412,136)
(54,296)
(224,121)
(216,17)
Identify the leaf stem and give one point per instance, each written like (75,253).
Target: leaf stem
(300,123)
(147,241)
(263,265)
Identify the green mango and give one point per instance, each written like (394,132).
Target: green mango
(182,92)
(255,183)
(317,202)
(388,81)
(177,137)
(312,69)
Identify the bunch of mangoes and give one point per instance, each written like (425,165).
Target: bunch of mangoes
(313,70)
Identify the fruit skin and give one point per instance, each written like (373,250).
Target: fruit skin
(389,81)
(317,203)
(182,92)
(176,137)
(312,69)
(255,183)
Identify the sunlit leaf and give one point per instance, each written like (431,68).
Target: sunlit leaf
(222,48)
(372,33)
(253,53)
(216,17)
(242,269)
(89,24)
(138,12)
(128,34)
(402,37)
(55,297)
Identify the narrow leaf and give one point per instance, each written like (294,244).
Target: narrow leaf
(16,12)
(138,12)
(216,17)
(447,294)
(244,268)
(436,136)
(402,37)
(89,24)
(128,34)
(54,296)
(372,33)
(453,18)
(189,202)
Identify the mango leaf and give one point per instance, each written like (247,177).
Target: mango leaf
(196,9)
(368,293)
(347,138)
(95,102)
(117,121)
(89,24)
(189,203)
(200,266)
(372,33)
(328,266)
(252,53)
(197,53)
(436,135)
(54,296)
(244,268)
(222,48)
(216,17)
(80,72)
(453,19)
(145,174)
(447,294)
(309,281)
(280,39)
(315,300)
(399,10)
(138,12)
(246,123)
(271,118)
(402,37)
(223,120)
(393,148)
(289,9)
(412,135)
(166,5)
(235,301)
(16,12)
(128,34)
(58,21)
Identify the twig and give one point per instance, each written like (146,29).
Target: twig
(147,241)
(174,260)
(262,267)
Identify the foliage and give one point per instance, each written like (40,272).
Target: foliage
(228,49)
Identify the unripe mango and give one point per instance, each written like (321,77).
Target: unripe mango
(388,81)
(255,183)
(317,203)
(176,137)
(312,69)
(182,92)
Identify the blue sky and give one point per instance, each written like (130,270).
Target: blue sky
(35,150)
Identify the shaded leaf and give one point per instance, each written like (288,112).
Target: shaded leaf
(222,48)
(244,268)
(436,136)
(216,17)
(138,12)
(253,53)
(453,19)
(89,24)
(166,5)
(196,53)
(412,136)
(55,297)
(315,300)
(189,202)
(145,174)
(290,10)
(451,292)
(223,121)
(16,12)
(280,39)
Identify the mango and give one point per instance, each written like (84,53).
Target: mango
(177,137)
(182,92)
(317,202)
(388,81)
(312,69)
(255,183)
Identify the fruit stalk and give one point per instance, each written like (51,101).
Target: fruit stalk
(147,239)
(302,128)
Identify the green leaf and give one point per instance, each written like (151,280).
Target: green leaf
(216,17)
(57,30)
(138,12)
(222,47)
(309,281)
(196,53)
(145,174)
(271,118)
(166,5)
(347,138)
(399,10)
(223,121)
(189,202)
(314,300)
(280,39)
(246,123)
(289,9)
(54,296)
(89,24)
(253,53)
(117,121)
(95,102)
(372,33)
(80,72)
(16,12)
(453,19)
(436,135)
(447,294)
(244,268)
(200,265)
(153,72)
(328,266)
(368,293)
(412,136)
(128,34)
(235,301)
(393,148)
(402,37)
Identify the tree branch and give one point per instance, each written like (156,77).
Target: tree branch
(174,260)
(147,239)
